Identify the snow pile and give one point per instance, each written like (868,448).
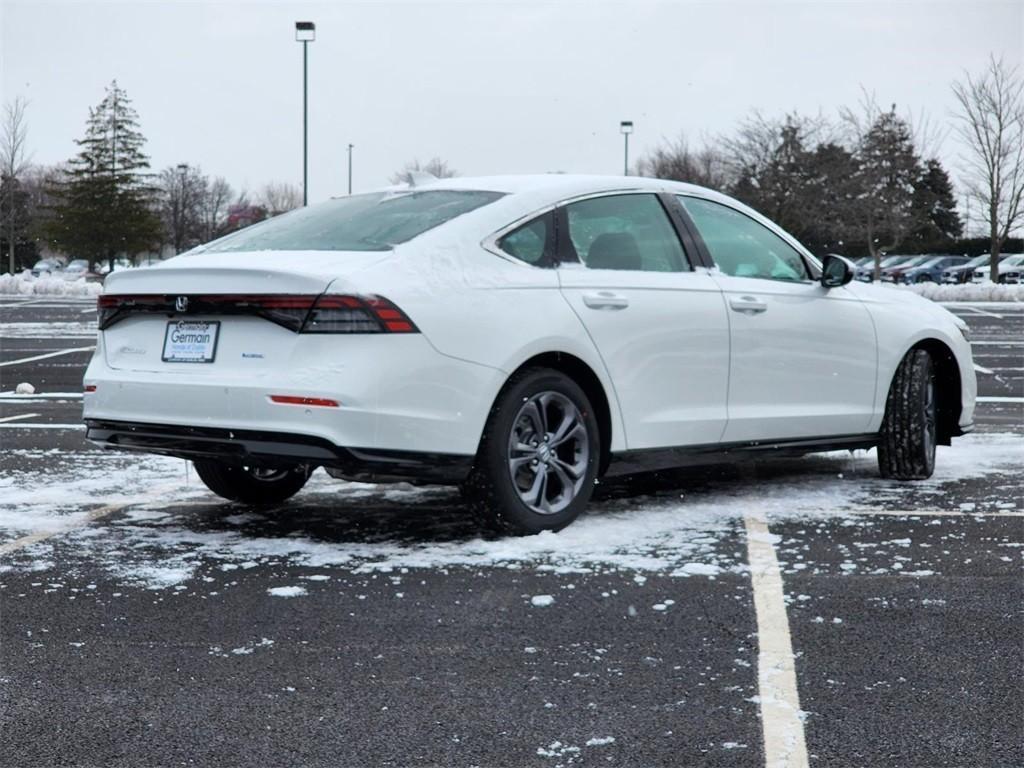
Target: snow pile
(24,284)
(968,292)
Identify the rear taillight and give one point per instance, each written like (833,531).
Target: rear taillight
(298,313)
(357,314)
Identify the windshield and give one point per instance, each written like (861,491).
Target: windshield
(373,222)
(1015,261)
(912,262)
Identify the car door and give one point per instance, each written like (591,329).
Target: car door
(803,358)
(659,326)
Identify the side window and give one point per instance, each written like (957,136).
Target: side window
(533,242)
(742,247)
(625,232)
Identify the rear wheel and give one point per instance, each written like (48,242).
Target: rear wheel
(252,485)
(923,279)
(538,457)
(906,449)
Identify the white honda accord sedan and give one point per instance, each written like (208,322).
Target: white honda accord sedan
(521,337)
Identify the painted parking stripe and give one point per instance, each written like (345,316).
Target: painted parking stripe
(934,512)
(13,395)
(1000,399)
(48,355)
(784,742)
(18,417)
(42,426)
(984,312)
(979,369)
(89,517)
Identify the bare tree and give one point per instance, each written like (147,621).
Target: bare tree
(14,160)
(279,197)
(214,208)
(435,167)
(182,190)
(991,122)
(677,161)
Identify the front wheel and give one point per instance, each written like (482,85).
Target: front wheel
(906,448)
(538,457)
(252,485)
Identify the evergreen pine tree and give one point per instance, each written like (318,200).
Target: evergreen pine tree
(104,203)
(935,207)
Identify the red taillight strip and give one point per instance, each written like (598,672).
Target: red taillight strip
(292,310)
(323,402)
(89,388)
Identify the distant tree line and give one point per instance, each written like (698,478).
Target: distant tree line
(864,184)
(106,201)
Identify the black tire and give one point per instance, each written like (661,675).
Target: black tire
(923,279)
(251,485)
(504,474)
(907,440)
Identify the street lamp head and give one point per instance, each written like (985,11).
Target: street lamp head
(305,31)
(626,126)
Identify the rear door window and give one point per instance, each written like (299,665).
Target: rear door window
(626,232)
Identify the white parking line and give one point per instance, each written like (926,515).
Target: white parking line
(19,416)
(48,355)
(784,742)
(933,512)
(979,369)
(89,517)
(13,395)
(1000,399)
(42,426)
(983,312)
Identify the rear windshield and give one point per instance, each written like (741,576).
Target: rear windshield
(372,222)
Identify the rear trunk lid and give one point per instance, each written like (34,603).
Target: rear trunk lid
(216,304)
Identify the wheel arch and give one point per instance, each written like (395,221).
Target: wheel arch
(587,379)
(948,386)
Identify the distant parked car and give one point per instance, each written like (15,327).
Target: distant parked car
(1011,270)
(866,271)
(893,273)
(962,272)
(78,269)
(929,271)
(45,267)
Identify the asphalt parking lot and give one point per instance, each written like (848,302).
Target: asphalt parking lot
(144,622)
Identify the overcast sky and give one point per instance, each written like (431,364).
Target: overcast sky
(491,87)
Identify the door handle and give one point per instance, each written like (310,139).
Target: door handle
(605,300)
(747,304)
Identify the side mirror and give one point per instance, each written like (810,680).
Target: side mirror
(836,271)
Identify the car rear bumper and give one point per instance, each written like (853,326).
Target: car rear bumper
(261,448)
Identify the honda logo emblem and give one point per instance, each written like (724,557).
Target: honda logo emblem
(181,304)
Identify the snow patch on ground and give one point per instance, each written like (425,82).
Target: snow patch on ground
(24,284)
(181,531)
(287,591)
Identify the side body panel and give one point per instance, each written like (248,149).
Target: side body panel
(664,339)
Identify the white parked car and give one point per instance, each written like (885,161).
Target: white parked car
(1011,270)
(521,337)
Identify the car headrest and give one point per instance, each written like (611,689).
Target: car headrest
(614,250)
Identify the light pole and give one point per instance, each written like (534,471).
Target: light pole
(626,127)
(350,146)
(305,33)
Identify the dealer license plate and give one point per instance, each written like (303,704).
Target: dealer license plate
(191,341)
